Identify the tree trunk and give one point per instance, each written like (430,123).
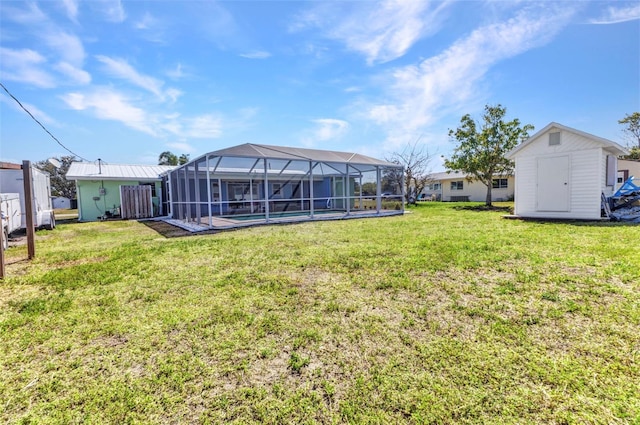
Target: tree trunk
(488,200)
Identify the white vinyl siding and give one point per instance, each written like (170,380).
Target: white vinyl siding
(477,191)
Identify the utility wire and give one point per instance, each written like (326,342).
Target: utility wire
(43,127)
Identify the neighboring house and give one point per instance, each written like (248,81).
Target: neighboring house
(563,172)
(61,203)
(627,168)
(254,184)
(455,186)
(116,190)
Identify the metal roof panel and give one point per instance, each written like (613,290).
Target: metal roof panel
(94,171)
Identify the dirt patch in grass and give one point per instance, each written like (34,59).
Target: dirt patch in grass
(167,230)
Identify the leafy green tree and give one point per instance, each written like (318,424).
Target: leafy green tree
(60,186)
(167,158)
(634,154)
(632,129)
(482,146)
(369,188)
(183,159)
(632,133)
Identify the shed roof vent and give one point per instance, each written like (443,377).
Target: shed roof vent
(554,138)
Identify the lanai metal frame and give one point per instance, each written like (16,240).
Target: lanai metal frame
(254,184)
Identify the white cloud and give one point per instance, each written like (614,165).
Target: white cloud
(107,104)
(246,114)
(614,15)
(110,105)
(171,125)
(391,28)
(40,115)
(203,126)
(71,6)
(329,128)
(64,44)
(418,94)
(199,127)
(324,130)
(31,16)
(173,94)
(176,73)
(76,75)
(25,66)
(256,55)
(113,10)
(67,49)
(121,69)
(67,46)
(147,22)
(152,28)
(34,110)
(181,147)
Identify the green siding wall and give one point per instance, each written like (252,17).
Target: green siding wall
(91,210)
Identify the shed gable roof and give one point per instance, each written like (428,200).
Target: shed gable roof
(614,147)
(93,171)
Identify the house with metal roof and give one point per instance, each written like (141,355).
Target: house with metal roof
(254,184)
(118,190)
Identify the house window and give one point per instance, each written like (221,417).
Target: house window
(499,183)
(457,185)
(276,189)
(153,187)
(554,138)
(215,191)
(434,186)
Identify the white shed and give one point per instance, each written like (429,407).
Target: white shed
(61,203)
(561,173)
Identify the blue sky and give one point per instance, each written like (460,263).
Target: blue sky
(125,81)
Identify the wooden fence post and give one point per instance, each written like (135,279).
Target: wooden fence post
(28,208)
(2,250)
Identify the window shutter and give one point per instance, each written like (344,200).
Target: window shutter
(612,170)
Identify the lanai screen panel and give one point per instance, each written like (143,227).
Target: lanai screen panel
(252,184)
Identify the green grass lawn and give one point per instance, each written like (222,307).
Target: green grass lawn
(442,315)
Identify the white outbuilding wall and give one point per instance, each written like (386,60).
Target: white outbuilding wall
(61,203)
(562,172)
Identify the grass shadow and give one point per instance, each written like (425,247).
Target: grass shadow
(480,208)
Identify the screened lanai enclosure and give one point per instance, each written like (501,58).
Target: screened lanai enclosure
(254,184)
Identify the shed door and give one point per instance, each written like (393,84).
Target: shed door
(553,184)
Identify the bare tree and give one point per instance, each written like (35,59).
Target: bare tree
(417,175)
